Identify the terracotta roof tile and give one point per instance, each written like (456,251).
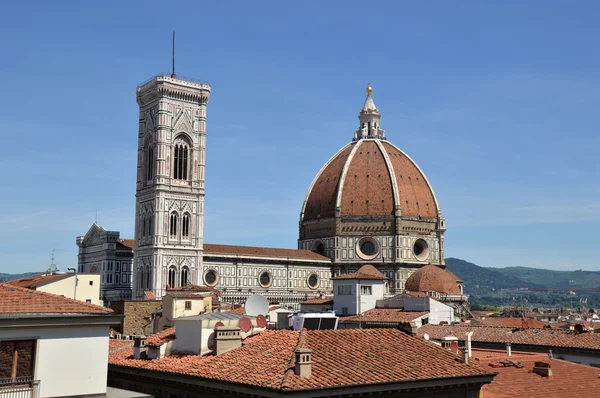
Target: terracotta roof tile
(126,243)
(16,300)
(190,288)
(387,315)
(263,252)
(318,300)
(158,339)
(433,278)
(568,379)
(367,271)
(525,323)
(34,281)
(533,337)
(362,356)
(148,295)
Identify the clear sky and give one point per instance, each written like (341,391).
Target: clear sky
(496,101)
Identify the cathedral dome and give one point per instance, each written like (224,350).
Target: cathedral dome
(432,278)
(370,177)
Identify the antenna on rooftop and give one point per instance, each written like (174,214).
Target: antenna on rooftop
(173,75)
(52,269)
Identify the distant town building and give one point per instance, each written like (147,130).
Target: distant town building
(105,253)
(82,287)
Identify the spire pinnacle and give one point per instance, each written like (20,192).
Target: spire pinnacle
(369,119)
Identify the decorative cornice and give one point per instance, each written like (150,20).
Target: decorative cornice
(180,90)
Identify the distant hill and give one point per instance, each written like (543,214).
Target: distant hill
(480,280)
(12,277)
(554,279)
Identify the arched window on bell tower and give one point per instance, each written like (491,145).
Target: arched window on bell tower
(184,275)
(172,277)
(181,155)
(173,221)
(185,226)
(150,164)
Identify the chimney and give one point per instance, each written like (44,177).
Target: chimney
(139,347)
(303,362)
(465,354)
(227,338)
(468,341)
(542,368)
(508,350)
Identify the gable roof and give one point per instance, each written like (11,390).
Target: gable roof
(367,272)
(502,335)
(34,281)
(318,301)
(252,251)
(524,323)
(363,356)
(126,243)
(16,300)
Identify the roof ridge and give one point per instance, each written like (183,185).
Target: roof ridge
(8,286)
(292,364)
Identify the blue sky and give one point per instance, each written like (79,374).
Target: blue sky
(496,101)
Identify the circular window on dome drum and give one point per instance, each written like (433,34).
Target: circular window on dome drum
(211,277)
(264,279)
(313,281)
(421,249)
(367,248)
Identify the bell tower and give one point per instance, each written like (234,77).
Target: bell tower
(169,214)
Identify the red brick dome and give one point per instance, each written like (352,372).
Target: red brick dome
(432,278)
(370,177)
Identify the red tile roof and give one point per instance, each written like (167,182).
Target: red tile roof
(148,295)
(126,243)
(432,278)
(16,300)
(34,281)
(534,337)
(158,339)
(263,252)
(387,315)
(318,301)
(568,379)
(189,288)
(367,271)
(524,323)
(339,358)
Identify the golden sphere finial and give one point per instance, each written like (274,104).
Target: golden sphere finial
(369,88)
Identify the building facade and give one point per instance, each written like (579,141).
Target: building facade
(169,217)
(105,253)
(80,286)
(372,204)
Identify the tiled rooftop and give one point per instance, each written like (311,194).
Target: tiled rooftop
(534,337)
(126,243)
(34,281)
(253,251)
(160,338)
(386,315)
(367,271)
(339,358)
(16,300)
(568,379)
(525,323)
(318,301)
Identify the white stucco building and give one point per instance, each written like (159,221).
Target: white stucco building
(82,287)
(359,291)
(53,346)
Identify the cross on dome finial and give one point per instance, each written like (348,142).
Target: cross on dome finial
(369,119)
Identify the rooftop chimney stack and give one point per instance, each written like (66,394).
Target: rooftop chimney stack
(139,347)
(468,341)
(465,354)
(303,362)
(227,338)
(508,350)
(542,368)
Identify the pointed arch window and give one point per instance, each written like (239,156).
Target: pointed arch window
(150,163)
(171,280)
(173,221)
(148,278)
(180,159)
(140,281)
(184,276)
(185,226)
